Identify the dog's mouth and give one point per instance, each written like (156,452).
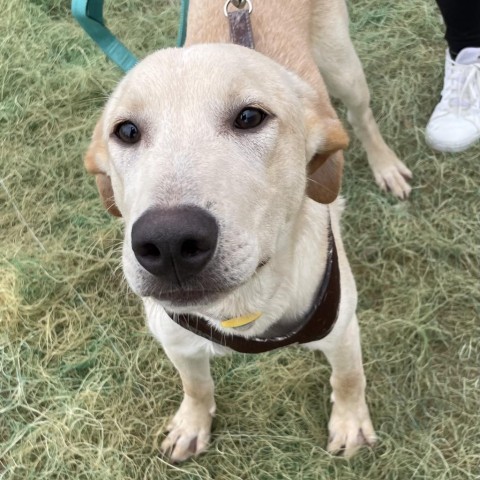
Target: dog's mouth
(183,298)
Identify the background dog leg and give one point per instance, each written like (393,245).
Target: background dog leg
(343,74)
(350,426)
(189,430)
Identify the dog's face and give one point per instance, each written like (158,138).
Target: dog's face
(204,152)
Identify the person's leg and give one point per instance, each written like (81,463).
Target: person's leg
(455,122)
(462,22)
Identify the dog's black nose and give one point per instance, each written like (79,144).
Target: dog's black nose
(175,243)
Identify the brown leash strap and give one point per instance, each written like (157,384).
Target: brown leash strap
(315,325)
(240,25)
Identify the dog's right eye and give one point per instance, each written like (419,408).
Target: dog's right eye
(127,132)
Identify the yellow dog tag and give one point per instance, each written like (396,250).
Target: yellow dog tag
(240,321)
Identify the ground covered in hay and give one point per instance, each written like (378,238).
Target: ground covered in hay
(85,392)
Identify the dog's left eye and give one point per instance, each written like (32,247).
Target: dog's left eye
(249,118)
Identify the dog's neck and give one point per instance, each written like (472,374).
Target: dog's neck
(315,325)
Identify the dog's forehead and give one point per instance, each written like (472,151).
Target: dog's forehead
(216,72)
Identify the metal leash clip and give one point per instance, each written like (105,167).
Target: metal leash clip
(239,4)
(239,22)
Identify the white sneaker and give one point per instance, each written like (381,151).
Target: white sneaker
(455,122)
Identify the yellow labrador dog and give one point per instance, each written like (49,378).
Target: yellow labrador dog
(225,164)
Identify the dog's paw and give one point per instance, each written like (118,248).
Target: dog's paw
(188,431)
(393,176)
(350,429)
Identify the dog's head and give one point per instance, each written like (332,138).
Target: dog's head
(207,153)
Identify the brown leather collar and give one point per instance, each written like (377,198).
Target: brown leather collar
(316,324)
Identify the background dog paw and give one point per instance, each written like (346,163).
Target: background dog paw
(393,176)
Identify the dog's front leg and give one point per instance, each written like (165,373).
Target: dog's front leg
(350,426)
(189,429)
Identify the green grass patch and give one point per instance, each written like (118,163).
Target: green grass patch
(85,392)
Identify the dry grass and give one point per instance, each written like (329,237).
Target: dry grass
(86,392)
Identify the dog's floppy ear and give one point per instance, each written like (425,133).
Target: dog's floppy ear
(95,162)
(326,138)
(325,169)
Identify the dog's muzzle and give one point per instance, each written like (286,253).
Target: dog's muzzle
(175,244)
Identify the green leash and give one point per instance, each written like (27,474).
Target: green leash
(182,30)
(89,14)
